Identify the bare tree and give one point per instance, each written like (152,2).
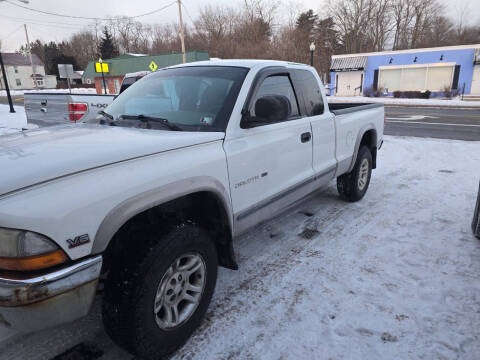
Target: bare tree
(84,47)
(352,20)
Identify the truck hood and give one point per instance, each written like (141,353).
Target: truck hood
(32,157)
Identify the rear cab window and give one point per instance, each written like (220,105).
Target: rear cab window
(309,87)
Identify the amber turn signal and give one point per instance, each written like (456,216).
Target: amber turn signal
(31,263)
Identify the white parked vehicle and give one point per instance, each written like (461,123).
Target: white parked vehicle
(150,200)
(53,108)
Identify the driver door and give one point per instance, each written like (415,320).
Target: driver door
(270,164)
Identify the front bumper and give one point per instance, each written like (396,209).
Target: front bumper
(30,304)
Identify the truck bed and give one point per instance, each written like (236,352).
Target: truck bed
(346,108)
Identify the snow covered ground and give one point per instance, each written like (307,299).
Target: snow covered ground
(457,102)
(395,276)
(74,91)
(13,122)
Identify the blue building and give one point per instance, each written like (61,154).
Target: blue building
(434,69)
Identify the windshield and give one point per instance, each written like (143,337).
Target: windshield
(196,98)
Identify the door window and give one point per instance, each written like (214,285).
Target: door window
(281,87)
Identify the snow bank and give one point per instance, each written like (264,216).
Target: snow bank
(394,101)
(394,276)
(74,91)
(13,122)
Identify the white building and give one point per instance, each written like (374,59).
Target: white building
(20,75)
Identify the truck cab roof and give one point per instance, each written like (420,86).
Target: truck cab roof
(246,63)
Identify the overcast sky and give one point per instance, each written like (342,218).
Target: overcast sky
(48,27)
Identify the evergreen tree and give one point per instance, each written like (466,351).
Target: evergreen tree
(108,48)
(307,22)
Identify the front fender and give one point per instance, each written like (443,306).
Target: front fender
(134,205)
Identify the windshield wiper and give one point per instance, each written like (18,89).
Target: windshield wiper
(105,115)
(146,119)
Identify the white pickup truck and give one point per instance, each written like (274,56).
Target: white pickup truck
(148,200)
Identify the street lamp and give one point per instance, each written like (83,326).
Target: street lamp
(103,76)
(312,49)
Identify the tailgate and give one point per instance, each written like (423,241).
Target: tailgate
(50,108)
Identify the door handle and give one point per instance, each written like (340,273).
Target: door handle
(305,137)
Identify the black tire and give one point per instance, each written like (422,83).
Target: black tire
(348,185)
(132,284)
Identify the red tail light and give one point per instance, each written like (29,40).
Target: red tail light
(77,110)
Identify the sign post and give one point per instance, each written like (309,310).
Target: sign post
(12,110)
(101,67)
(66,71)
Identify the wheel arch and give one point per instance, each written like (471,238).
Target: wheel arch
(366,136)
(183,197)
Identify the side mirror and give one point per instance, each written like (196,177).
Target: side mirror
(269,109)
(273,108)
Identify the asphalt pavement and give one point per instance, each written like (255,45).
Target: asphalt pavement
(441,123)
(16,99)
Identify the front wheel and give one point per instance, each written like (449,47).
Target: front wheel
(154,303)
(353,185)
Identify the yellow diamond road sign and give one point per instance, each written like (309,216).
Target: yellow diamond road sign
(153,66)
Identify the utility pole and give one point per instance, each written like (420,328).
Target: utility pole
(12,110)
(182,38)
(31,59)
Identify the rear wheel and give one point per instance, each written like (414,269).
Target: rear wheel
(353,185)
(153,302)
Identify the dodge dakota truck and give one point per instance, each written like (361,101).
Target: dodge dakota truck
(147,200)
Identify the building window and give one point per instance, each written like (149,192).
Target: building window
(39,82)
(18,82)
(431,77)
(116,83)
(15,68)
(89,81)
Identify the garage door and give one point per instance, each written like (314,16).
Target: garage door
(476,81)
(349,83)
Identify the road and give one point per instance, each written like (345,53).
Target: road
(439,123)
(17,100)
(460,124)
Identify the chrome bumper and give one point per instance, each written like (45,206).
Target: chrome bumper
(51,299)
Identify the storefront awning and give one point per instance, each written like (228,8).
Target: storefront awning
(352,63)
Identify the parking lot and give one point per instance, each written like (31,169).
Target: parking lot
(393,276)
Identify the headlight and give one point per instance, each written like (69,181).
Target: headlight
(26,250)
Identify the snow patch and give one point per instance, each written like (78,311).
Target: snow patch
(13,122)
(60,91)
(457,102)
(394,276)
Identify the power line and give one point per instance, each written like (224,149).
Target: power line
(77,27)
(85,17)
(73,27)
(13,18)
